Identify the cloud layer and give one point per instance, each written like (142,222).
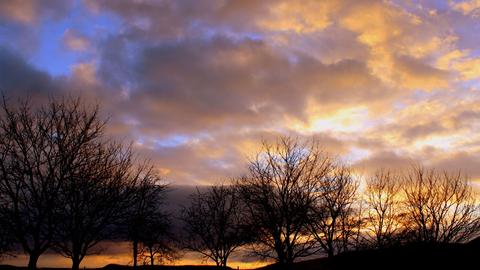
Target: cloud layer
(196,85)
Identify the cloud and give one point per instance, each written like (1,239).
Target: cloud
(75,41)
(471,7)
(416,74)
(469,68)
(20,11)
(29,11)
(197,84)
(422,130)
(154,19)
(20,78)
(204,81)
(386,160)
(467,163)
(299,17)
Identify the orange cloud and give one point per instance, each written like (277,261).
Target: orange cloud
(22,11)
(470,7)
(75,41)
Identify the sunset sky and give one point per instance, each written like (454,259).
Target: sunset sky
(196,85)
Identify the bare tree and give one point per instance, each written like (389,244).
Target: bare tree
(214,223)
(384,208)
(278,193)
(95,197)
(156,243)
(440,206)
(333,220)
(38,147)
(145,220)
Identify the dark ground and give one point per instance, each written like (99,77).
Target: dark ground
(451,256)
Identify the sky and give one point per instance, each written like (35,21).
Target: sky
(197,84)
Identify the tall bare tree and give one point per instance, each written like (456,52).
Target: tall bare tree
(214,223)
(333,221)
(94,198)
(440,206)
(146,222)
(384,213)
(38,148)
(157,243)
(278,193)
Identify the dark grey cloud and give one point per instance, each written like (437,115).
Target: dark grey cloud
(157,20)
(192,85)
(19,78)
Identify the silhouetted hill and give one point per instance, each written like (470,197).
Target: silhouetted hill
(418,256)
(475,243)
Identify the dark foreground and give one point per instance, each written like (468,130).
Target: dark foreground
(425,257)
(452,256)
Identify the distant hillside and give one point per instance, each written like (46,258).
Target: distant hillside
(451,256)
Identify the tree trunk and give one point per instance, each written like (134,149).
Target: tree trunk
(32,260)
(224,263)
(288,265)
(152,257)
(330,253)
(75,262)
(280,256)
(135,253)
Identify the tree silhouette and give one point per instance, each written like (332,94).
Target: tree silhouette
(440,206)
(147,224)
(332,220)
(94,198)
(214,223)
(384,213)
(278,192)
(38,149)
(157,243)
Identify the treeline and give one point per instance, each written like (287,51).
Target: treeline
(65,186)
(297,201)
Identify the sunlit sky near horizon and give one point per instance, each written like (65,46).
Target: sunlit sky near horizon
(197,84)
